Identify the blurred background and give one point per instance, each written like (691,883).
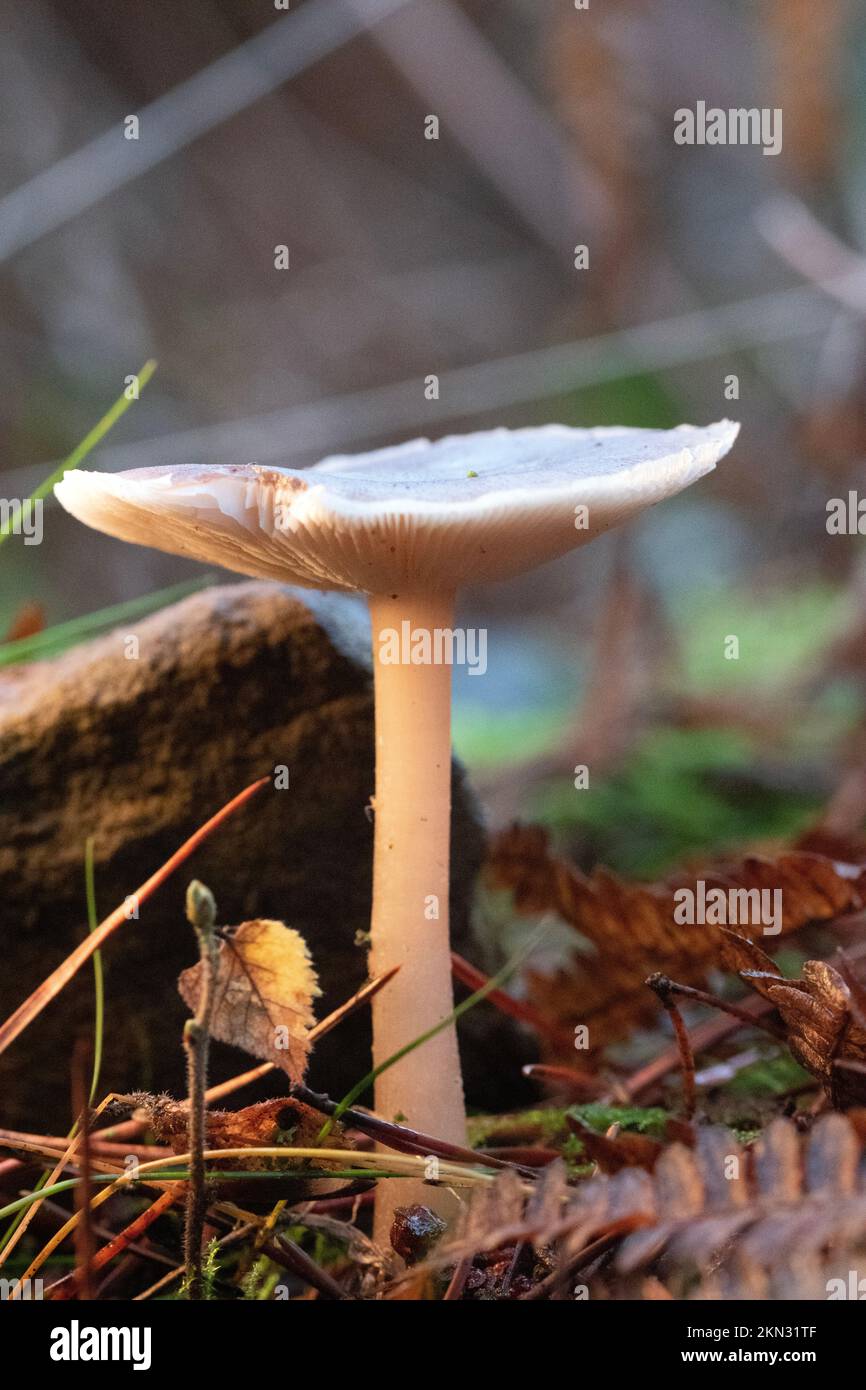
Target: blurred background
(408,256)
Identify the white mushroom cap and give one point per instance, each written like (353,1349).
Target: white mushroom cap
(419,516)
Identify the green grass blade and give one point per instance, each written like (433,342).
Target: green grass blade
(20,1204)
(62,635)
(88,443)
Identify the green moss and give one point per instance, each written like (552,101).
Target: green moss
(747,1134)
(545,1126)
(651,1120)
(548,1125)
(771,1076)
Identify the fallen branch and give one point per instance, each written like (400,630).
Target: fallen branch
(400,1137)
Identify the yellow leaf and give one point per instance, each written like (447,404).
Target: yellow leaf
(263,994)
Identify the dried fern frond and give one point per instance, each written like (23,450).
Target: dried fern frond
(633,927)
(780,1220)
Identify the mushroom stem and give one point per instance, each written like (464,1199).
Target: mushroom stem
(409,925)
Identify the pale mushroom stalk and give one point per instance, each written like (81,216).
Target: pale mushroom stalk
(409,926)
(407,526)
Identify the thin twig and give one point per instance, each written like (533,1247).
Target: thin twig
(201,911)
(59,978)
(289,1254)
(702,996)
(586,1256)
(52,1147)
(663,987)
(581,1083)
(512,1268)
(458,1280)
(123,1241)
(475,979)
(705,1035)
(84,1241)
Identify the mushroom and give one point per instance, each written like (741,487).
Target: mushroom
(407,526)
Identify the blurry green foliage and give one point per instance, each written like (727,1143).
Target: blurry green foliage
(674,797)
(485,738)
(681,792)
(641,401)
(780,635)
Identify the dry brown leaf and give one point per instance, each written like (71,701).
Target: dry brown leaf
(823,1014)
(823,1019)
(633,929)
(283,1121)
(267,1124)
(611,1152)
(27,622)
(743,957)
(263,996)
